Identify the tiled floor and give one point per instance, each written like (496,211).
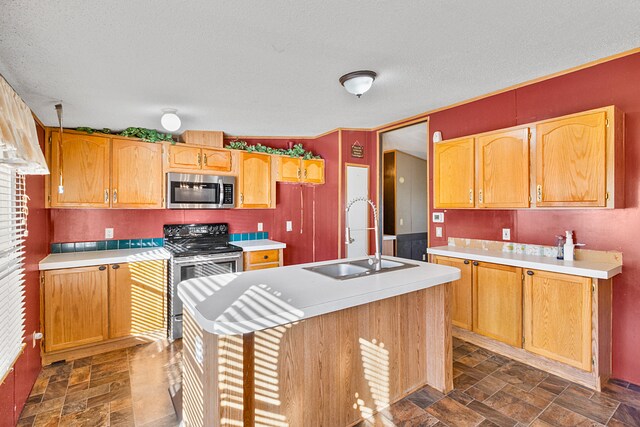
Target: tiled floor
(129,387)
(121,388)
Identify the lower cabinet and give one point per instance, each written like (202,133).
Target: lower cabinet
(260,260)
(557,317)
(497,302)
(462,290)
(93,305)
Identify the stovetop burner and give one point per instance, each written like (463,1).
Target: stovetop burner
(198,239)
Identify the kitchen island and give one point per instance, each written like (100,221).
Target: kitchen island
(291,347)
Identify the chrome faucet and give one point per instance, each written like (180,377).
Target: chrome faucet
(377,260)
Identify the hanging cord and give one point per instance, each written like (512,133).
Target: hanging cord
(301,210)
(60,157)
(313,211)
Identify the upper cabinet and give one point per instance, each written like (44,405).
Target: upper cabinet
(454,173)
(256,188)
(570,155)
(295,169)
(187,158)
(98,172)
(578,161)
(79,171)
(136,180)
(216,160)
(503,169)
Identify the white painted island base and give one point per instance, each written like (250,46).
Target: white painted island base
(329,370)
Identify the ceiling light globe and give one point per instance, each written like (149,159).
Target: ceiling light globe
(170,121)
(358,82)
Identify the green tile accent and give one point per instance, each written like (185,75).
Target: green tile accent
(112,245)
(124,244)
(56,248)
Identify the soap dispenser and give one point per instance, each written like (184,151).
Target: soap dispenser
(569,246)
(560,247)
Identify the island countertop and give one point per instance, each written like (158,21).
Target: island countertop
(240,303)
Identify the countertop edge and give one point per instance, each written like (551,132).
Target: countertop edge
(116,256)
(259,245)
(494,257)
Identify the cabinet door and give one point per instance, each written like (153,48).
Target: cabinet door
(80,163)
(557,317)
(497,302)
(289,169)
(137,174)
(313,171)
(255,180)
(461,297)
(503,169)
(185,157)
(216,160)
(454,173)
(75,307)
(136,298)
(570,159)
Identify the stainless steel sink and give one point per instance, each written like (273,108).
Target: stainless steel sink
(352,269)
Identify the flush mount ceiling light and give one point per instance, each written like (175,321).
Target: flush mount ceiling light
(358,82)
(170,120)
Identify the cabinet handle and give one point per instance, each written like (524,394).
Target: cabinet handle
(475,263)
(102,268)
(529,272)
(115,266)
(106,196)
(266,257)
(204,157)
(480,196)
(115,195)
(471,195)
(298,173)
(466,261)
(539,193)
(305,174)
(241,198)
(199,159)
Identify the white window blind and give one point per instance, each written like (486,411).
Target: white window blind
(13,223)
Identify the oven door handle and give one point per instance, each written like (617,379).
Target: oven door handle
(191,260)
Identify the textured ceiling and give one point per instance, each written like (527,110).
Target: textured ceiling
(272,67)
(409,139)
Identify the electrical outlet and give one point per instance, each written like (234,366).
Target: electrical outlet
(289,226)
(437,217)
(259,226)
(438,231)
(401,221)
(108,233)
(506,234)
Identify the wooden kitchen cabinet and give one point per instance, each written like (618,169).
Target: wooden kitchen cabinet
(137,302)
(136,180)
(74,308)
(557,317)
(313,171)
(454,173)
(80,164)
(571,161)
(183,156)
(294,169)
(216,160)
(497,302)
(503,169)
(462,292)
(260,260)
(255,186)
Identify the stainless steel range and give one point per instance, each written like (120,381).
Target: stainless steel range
(197,250)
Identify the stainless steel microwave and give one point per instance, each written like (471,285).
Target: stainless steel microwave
(194,191)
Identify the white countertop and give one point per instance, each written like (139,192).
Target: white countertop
(86,259)
(238,303)
(259,245)
(598,270)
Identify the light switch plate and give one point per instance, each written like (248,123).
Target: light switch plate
(506,234)
(289,226)
(438,231)
(438,217)
(108,233)
(259,226)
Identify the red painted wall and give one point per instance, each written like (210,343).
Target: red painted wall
(613,83)
(16,389)
(310,208)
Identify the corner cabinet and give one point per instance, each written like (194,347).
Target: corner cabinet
(256,188)
(454,173)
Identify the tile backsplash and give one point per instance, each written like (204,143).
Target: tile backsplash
(107,245)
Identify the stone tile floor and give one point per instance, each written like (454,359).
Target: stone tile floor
(129,388)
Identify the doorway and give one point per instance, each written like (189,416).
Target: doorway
(357,184)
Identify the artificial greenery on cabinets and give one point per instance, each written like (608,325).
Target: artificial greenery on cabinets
(148,135)
(296,151)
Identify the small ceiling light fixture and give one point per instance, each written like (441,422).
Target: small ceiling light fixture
(170,120)
(358,82)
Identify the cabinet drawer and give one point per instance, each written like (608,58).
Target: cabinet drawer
(263,266)
(263,257)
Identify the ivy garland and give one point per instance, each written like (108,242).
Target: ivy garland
(148,135)
(296,151)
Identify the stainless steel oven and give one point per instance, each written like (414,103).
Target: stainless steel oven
(194,191)
(190,267)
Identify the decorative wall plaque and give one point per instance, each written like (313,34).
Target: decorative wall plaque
(357,150)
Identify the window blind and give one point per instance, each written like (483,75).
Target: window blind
(13,226)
